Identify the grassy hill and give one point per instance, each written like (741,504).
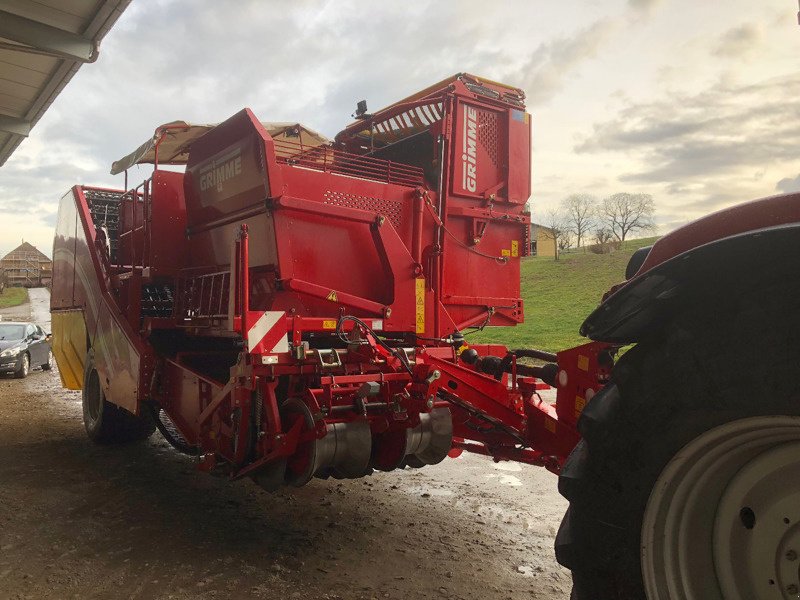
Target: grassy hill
(559,295)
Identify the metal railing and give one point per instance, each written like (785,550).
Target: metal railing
(203,296)
(327,159)
(139,253)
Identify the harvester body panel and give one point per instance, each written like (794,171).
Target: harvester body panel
(80,294)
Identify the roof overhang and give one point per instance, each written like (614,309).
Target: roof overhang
(42,45)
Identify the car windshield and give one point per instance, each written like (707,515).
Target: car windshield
(12,332)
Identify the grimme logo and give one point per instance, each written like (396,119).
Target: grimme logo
(469,163)
(220,170)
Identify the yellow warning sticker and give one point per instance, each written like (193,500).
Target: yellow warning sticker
(550,424)
(583,362)
(329,324)
(420,301)
(579,404)
(333,296)
(505,252)
(514,248)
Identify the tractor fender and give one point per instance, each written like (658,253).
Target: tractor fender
(700,278)
(734,220)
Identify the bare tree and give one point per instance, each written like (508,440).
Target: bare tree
(603,244)
(580,212)
(554,229)
(624,213)
(565,240)
(602,236)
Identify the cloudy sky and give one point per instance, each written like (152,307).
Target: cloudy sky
(696,103)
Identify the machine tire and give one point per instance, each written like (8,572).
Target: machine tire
(24,368)
(49,364)
(708,374)
(107,423)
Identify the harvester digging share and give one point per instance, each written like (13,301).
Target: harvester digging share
(292,307)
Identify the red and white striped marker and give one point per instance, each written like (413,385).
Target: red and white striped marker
(268,335)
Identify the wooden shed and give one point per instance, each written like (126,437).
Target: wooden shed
(543,241)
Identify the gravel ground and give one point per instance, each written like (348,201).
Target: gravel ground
(138,521)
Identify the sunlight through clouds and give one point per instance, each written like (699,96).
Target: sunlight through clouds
(694,103)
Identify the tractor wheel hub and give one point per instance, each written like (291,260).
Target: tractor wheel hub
(723,520)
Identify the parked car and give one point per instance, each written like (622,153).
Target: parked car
(22,347)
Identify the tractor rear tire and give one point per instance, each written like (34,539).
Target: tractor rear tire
(107,423)
(687,481)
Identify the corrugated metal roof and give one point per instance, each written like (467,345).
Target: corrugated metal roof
(43,43)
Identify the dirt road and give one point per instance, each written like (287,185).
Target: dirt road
(138,521)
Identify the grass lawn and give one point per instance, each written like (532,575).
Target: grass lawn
(13,296)
(559,295)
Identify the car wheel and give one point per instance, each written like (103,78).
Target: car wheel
(24,368)
(49,364)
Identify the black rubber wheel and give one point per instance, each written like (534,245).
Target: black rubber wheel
(107,423)
(24,368)
(706,372)
(49,364)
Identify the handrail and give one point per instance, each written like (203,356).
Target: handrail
(203,296)
(140,193)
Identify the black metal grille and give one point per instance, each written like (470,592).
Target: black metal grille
(157,301)
(105,209)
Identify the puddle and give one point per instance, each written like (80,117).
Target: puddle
(508,480)
(508,466)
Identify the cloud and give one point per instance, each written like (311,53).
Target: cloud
(307,61)
(738,41)
(311,60)
(723,130)
(788,185)
(552,63)
(644,5)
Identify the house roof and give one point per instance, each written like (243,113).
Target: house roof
(541,226)
(42,45)
(26,248)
